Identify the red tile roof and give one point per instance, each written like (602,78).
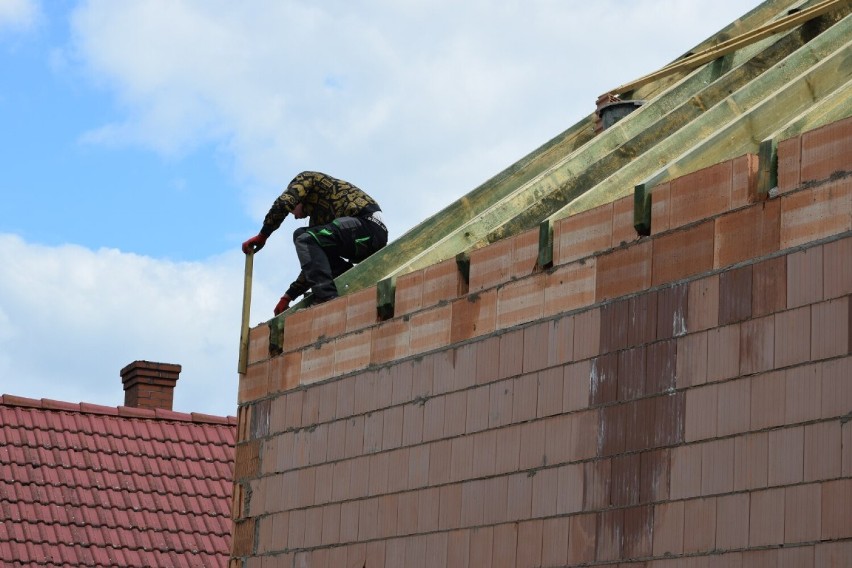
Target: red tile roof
(87,485)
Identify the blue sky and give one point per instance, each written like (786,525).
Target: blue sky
(142,141)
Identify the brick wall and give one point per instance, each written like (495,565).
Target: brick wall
(678,399)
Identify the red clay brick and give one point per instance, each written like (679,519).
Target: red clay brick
(735,287)
(409,293)
(734,407)
(477,409)
(732,514)
(626,472)
(826,150)
(610,534)
(258,344)
(699,525)
(582,234)
(836,504)
(587,332)
(623,231)
(297,330)
(757,345)
(789,164)
(660,205)
(748,233)
(436,550)
(802,513)
(524,253)
(613,331)
(792,337)
(672,311)
(768,400)
(582,539)
(284,371)
(691,369)
(532,445)
(834,554)
(473,502)
(683,253)
(770,286)
(521,301)
(490,265)
(461,458)
(766,523)
(570,287)
(481,547)
(638,531)
(701,413)
(352,352)
(474,315)
(544,487)
(837,270)
(496,499)
(805,277)
(703,304)
(830,334)
(654,476)
(458,549)
(597,484)
(624,271)
(686,471)
(786,456)
(361,309)
(430,329)
(717,467)
(557,436)
(744,184)
(702,194)
(668,528)
(823,451)
(576,386)
(442,282)
(803,393)
(836,387)
(570,488)
(317,363)
(816,213)
(642,319)
(390,341)
(584,435)
(449,515)
(554,542)
(505,546)
(254,384)
(750,461)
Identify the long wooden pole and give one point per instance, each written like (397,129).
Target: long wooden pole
(734,44)
(244,329)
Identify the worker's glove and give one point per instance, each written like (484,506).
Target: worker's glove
(283,304)
(254,244)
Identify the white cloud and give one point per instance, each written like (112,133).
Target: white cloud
(18,14)
(417,102)
(71,318)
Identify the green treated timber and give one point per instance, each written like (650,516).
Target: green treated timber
(642,210)
(831,109)
(746,117)
(531,202)
(545,245)
(386,297)
(672,113)
(394,258)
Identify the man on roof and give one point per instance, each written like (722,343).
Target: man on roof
(344,228)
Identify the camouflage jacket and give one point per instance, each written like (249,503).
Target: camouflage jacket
(323,199)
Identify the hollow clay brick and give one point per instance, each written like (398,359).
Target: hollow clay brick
(582,234)
(702,194)
(751,232)
(623,271)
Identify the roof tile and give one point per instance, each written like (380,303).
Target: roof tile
(100,486)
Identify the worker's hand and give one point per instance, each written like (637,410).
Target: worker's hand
(254,244)
(283,304)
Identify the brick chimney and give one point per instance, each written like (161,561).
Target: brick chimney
(149,385)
